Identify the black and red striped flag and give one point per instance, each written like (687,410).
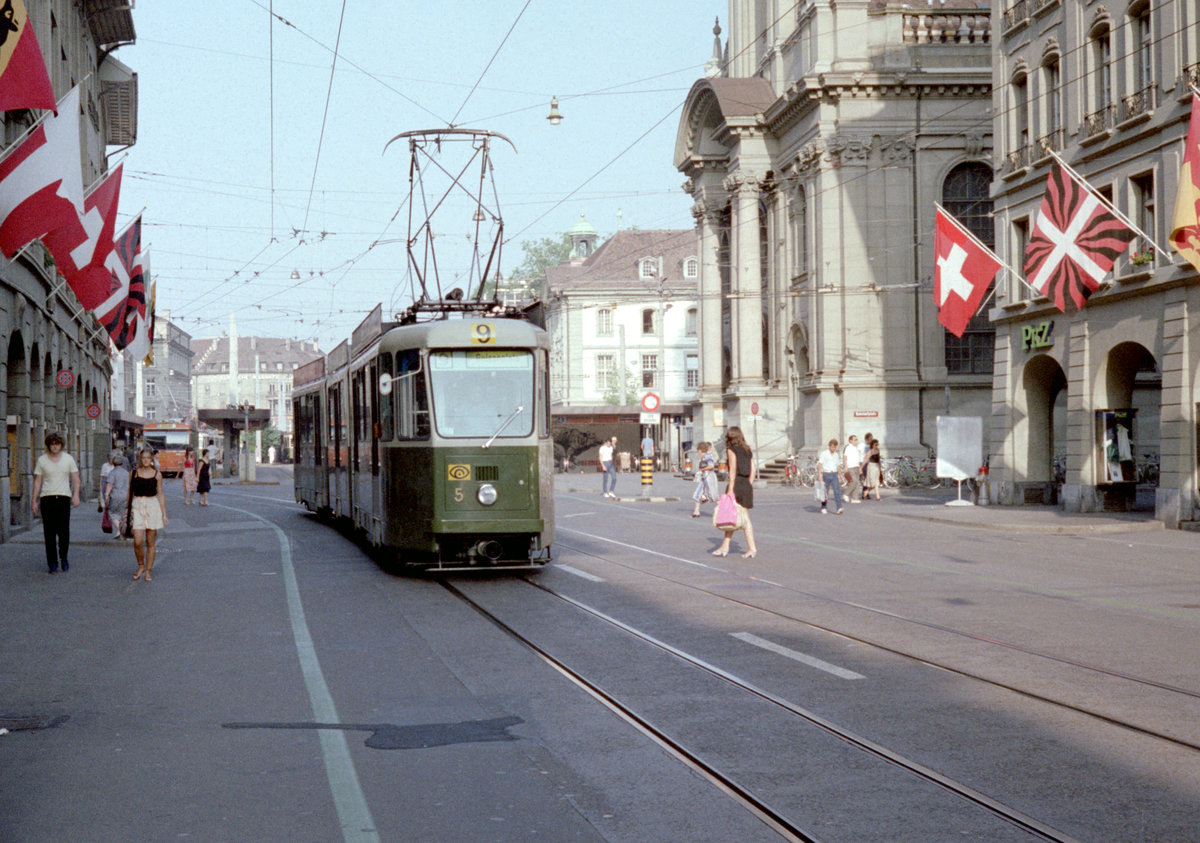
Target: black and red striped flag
(126,304)
(1075,241)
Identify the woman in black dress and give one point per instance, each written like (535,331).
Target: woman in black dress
(203,481)
(742,474)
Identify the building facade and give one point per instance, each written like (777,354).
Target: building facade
(623,322)
(814,154)
(57,365)
(256,370)
(1109,388)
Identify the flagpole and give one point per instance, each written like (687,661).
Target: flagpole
(1084,183)
(977,242)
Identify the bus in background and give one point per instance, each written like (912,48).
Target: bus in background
(171,440)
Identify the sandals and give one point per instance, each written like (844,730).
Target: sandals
(139,573)
(720,553)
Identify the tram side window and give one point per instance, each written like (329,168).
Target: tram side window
(315,420)
(387,429)
(412,400)
(544,395)
(373,392)
(337,430)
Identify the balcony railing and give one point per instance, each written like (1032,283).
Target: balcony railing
(1019,158)
(1054,141)
(1015,14)
(1191,75)
(1099,122)
(1137,104)
(1038,5)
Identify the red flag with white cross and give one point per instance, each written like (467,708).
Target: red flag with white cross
(963,272)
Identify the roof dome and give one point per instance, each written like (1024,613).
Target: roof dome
(582,227)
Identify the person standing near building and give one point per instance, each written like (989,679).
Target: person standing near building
(189,476)
(608,483)
(55,491)
(830,470)
(852,458)
(706,487)
(204,480)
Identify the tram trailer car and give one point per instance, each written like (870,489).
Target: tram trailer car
(433,439)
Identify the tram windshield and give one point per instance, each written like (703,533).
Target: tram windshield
(475,393)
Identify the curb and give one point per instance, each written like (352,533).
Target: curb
(1053,529)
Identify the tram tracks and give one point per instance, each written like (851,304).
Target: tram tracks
(941,665)
(773,817)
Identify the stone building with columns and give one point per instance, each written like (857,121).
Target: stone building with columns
(43,327)
(1108,391)
(814,152)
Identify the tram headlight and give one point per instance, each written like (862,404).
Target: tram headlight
(487,494)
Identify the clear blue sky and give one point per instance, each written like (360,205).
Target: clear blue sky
(202,166)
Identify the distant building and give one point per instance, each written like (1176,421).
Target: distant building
(162,390)
(622,319)
(259,371)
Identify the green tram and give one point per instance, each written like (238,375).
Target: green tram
(433,440)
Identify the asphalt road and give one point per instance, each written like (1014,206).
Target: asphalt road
(273,683)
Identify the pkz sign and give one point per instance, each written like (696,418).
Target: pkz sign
(1038,336)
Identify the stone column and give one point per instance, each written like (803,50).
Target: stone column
(5,478)
(708,217)
(1079,491)
(746,287)
(1175,498)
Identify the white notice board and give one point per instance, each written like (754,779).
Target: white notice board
(959,446)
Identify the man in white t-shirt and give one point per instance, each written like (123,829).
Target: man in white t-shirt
(852,457)
(609,482)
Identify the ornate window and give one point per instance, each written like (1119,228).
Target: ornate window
(691,268)
(604,322)
(648,321)
(966,195)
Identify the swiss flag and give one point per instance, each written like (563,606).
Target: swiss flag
(41,181)
(81,249)
(962,274)
(24,82)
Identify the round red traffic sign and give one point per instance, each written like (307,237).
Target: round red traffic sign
(66,378)
(93,411)
(650,402)
(754,408)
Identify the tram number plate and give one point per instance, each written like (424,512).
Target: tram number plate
(482,333)
(458,472)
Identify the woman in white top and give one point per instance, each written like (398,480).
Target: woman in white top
(55,491)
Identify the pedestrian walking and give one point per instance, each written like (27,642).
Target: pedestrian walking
(116,497)
(830,470)
(203,480)
(742,474)
(55,492)
(149,510)
(874,469)
(105,470)
(852,459)
(609,481)
(190,479)
(706,485)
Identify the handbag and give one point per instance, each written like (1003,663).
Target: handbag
(106,523)
(819,490)
(726,515)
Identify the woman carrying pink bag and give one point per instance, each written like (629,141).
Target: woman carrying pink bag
(742,474)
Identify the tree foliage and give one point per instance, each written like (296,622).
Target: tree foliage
(539,254)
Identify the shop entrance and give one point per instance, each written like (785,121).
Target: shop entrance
(1041,434)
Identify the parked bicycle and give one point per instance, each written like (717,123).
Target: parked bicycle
(791,474)
(906,471)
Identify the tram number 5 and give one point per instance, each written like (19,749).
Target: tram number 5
(482,334)
(458,494)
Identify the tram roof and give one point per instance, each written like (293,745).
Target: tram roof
(469,332)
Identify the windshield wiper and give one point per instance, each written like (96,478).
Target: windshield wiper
(507,421)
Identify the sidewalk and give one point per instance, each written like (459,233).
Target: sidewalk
(916,504)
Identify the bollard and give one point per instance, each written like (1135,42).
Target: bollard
(647,476)
(982,481)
